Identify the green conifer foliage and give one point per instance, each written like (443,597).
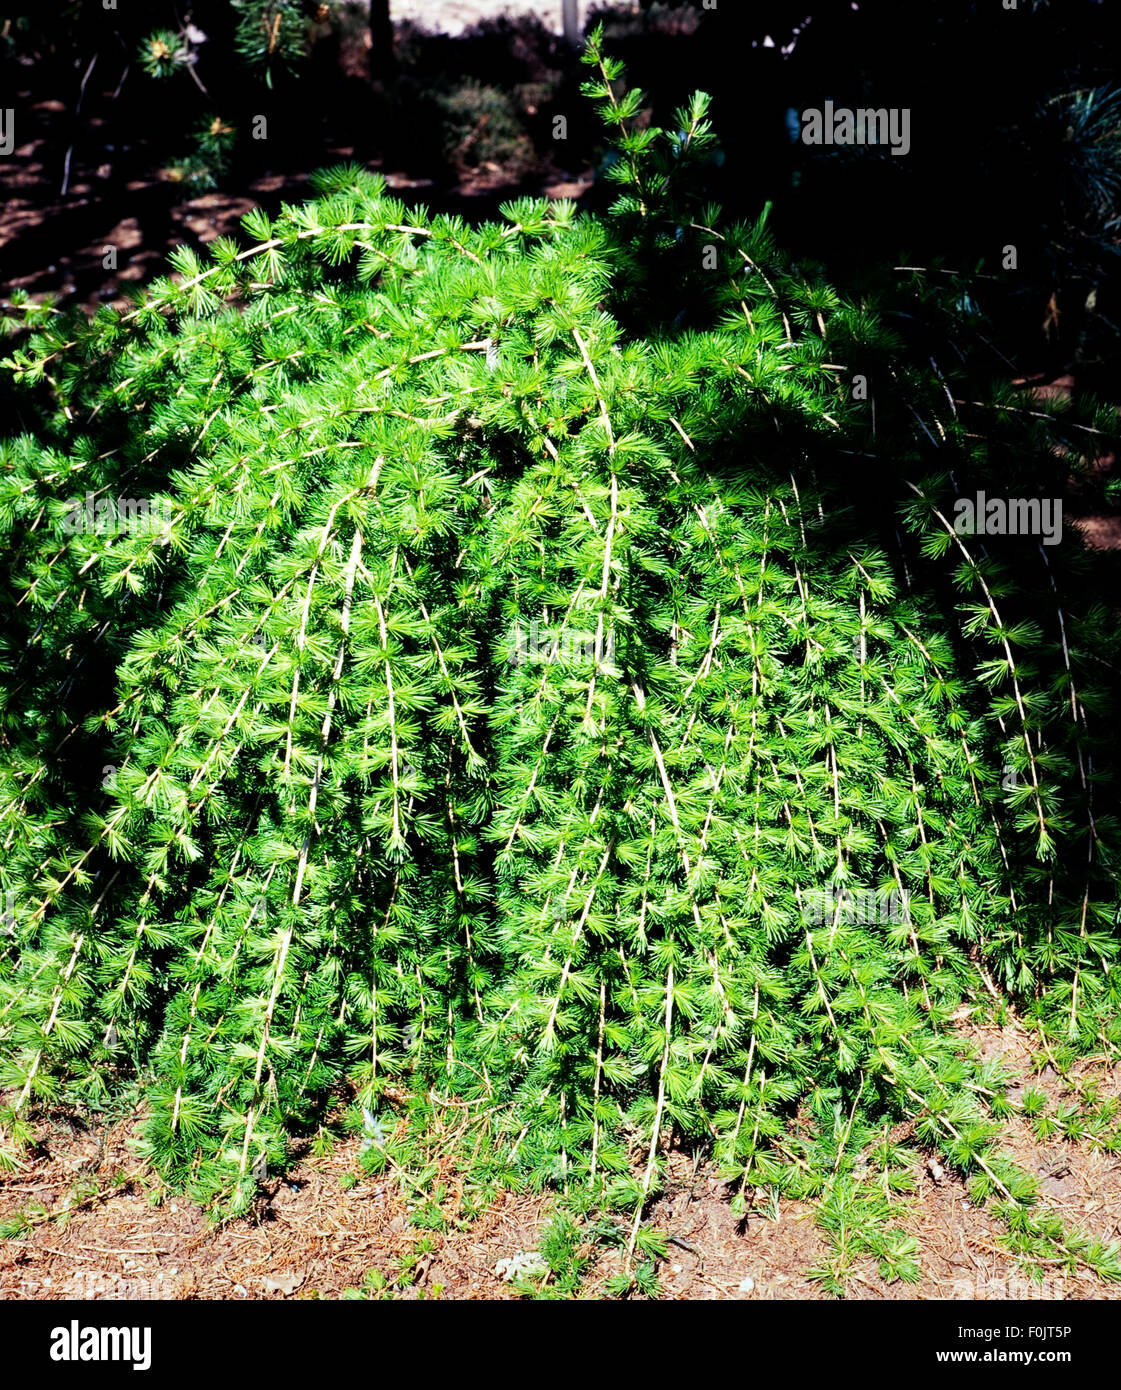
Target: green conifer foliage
(492,687)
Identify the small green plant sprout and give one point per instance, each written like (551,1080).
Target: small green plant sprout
(164,53)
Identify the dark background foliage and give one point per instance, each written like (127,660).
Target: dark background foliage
(995,157)
(1015,141)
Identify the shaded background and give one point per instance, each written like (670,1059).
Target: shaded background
(107,154)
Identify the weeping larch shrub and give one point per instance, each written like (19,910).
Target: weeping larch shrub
(523,627)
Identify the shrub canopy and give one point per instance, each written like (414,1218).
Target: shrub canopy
(470,658)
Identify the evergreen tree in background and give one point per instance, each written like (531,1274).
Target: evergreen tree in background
(462,661)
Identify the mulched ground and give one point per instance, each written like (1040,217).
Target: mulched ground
(71,189)
(144,239)
(313,1236)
